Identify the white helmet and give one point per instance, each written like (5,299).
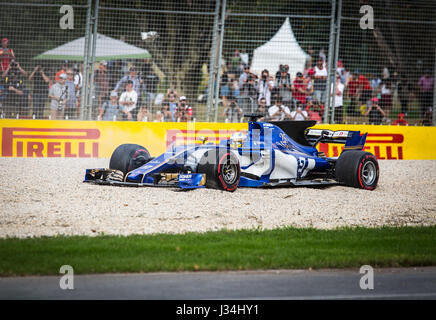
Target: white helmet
(237,139)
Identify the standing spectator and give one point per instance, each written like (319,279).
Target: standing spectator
(243,78)
(109,109)
(322,55)
(62,70)
(375,84)
(40,90)
(6,55)
(341,70)
(144,113)
(132,76)
(128,100)
(232,113)
(386,96)
(339,99)
(404,89)
(235,89)
(136,80)
(385,73)
(164,115)
(359,90)
(184,111)
(320,81)
(375,112)
(309,82)
(58,97)
(265,86)
(114,72)
(14,67)
(400,121)
(299,114)
(18,98)
(262,109)
(78,82)
(300,92)
(284,86)
(151,81)
(426,118)
(425,84)
(365,90)
(278,111)
(171,98)
(313,110)
(101,79)
(225,90)
(235,62)
(248,93)
(71,103)
(15,99)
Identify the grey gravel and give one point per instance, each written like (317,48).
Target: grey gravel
(46,197)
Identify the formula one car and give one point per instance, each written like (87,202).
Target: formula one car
(269,154)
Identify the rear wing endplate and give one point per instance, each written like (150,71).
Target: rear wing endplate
(352,139)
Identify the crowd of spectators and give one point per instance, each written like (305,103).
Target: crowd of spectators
(125,91)
(355,94)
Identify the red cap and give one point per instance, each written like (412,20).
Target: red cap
(340,64)
(401,115)
(311,72)
(375,99)
(5,40)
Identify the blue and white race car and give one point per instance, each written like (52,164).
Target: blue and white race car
(269,154)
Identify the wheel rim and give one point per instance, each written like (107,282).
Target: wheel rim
(369,173)
(229,173)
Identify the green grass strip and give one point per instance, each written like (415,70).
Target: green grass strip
(287,248)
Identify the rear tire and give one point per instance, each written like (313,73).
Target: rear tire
(357,169)
(223,173)
(128,157)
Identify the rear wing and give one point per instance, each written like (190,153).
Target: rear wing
(352,139)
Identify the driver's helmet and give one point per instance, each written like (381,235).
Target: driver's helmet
(237,139)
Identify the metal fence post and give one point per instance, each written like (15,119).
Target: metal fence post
(212,69)
(84,93)
(330,61)
(335,67)
(220,52)
(94,44)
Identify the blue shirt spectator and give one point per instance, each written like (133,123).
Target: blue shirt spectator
(134,78)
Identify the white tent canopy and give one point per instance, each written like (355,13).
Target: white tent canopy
(282,48)
(107,48)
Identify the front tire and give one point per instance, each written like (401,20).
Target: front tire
(128,157)
(222,169)
(357,169)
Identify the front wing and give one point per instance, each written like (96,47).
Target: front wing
(104,176)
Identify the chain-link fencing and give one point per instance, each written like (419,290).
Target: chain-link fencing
(386,61)
(158,61)
(27,30)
